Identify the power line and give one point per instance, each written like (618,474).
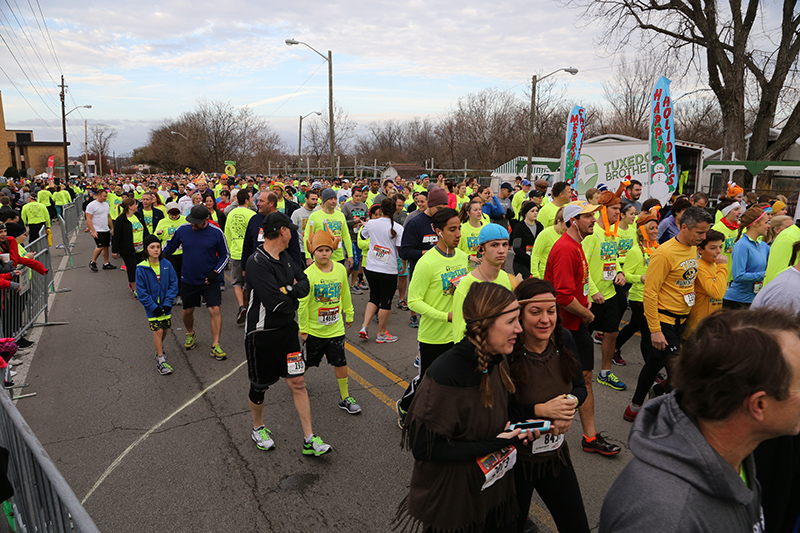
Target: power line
(295,92)
(49,41)
(26,100)
(26,76)
(27,37)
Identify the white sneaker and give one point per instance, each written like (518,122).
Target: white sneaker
(263,438)
(386,337)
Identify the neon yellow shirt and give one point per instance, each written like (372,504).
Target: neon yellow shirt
(363,245)
(547,214)
(469,240)
(517,201)
(541,250)
(34,213)
(603,258)
(780,253)
(460,201)
(44,197)
(430,295)
(138,233)
(167,227)
(320,312)
(61,198)
(459,325)
(636,263)
(730,242)
(337,224)
(371,198)
(235,229)
(148,219)
(114,203)
(627,240)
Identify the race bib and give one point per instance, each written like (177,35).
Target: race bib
(689,299)
(495,465)
(609,271)
(261,235)
(586,289)
(381,253)
(547,443)
(327,316)
(138,246)
(757,286)
(295,365)
(430,239)
(528,249)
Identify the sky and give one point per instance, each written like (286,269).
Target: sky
(139,63)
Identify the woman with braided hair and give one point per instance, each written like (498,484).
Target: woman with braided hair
(457,425)
(549,385)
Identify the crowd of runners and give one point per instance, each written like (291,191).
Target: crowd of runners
(506,359)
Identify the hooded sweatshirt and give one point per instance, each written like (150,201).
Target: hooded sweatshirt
(677,482)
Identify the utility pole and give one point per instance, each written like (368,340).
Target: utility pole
(530,131)
(64,124)
(86,147)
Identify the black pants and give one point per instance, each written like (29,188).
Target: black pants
(428,353)
(524,269)
(33,231)
(659,359)
(130,265)
(177,262)
(622,297)
(561,495)
(638,323)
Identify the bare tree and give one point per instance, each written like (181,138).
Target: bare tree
(317,136)
(699,120)
(719,37)
(100,138)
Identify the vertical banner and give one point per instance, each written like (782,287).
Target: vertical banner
(576,126)
(51,162)
(663,165)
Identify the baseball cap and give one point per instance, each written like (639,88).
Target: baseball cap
(316,185)
(535,193)
(507,186)
(492,232)
(575,209)
(275,221)
(437,197)
(172,205)
(525,183)
(541,183)
(197,215)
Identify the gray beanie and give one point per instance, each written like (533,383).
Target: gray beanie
(327,194)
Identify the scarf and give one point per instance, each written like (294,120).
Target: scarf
(729,225)
(609,232)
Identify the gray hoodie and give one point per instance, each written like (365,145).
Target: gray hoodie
(677,482)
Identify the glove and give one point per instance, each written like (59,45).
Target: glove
(212,277)
(167,310)
(158,311)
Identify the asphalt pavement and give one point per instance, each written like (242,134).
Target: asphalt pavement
(173,453)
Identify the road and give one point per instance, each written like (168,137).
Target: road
(173,453)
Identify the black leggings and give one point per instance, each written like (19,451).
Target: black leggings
(561,495)
(381,288)
(130,265)
(428,353)
(177,262)
(622,298)
(659,359)
(638,323)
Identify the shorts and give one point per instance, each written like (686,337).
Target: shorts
(159,322)
(606,316)
(267,353)
(381,288)
(400,270)
(190,294)
(333,348)
(237,278)
(585,347)
(103,239)
(356,257)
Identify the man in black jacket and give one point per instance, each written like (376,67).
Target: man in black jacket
(254,235)
(276,282)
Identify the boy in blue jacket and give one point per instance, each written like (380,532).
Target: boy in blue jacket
(157,287)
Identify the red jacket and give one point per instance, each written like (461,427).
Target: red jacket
(568,271)
(13,251)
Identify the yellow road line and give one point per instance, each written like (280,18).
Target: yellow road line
(377,366)
(371,388)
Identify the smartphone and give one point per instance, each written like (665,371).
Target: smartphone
(541,425)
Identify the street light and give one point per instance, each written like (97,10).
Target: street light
(329,59)
(572,71)
(300,137)
(64,114)
(179,133)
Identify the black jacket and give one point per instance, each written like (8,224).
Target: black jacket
(275,286)
(122,241)
(158,215)
(521,239)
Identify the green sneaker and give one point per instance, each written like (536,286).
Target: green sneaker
(189,343)
(314,446)
(610,380)
(263,439)
(217,353)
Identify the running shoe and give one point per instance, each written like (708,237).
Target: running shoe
(163,367)
(630,415)
(217,353)
(350,405)
(402,305)
(599,445)
(597,337)
(178,301)
(617,359)
(610,380)
(122,267)
(241,315)
(362,333)
(263,438)
(24,343)
(314,446)
(355,289)
(109,266)
(363,285)
(414,322)
(189,343)
(416,362)
(93,266)
(401,415)
(385,338)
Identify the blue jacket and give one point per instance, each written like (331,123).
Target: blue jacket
(153,292)
(667,229)
(494,209)
(204,250)
(749,266)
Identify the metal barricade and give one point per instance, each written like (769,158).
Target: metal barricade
(21,309)
(42,501)
(39,244)
(69,214)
